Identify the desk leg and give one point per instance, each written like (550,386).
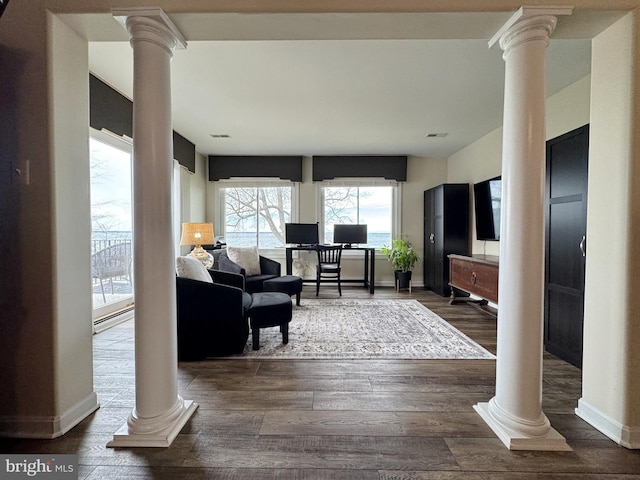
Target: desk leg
(289,261)
(366,268)
(372,271)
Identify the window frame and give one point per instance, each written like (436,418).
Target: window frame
(251,182)
(396,199)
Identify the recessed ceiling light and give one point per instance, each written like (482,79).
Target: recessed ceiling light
(435,135)
(220,135)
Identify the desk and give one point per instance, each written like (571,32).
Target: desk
(368,279)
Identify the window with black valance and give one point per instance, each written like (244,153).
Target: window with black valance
(286,167)
(391,167)
(111,110)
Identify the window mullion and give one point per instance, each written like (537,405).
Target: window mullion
(258,216)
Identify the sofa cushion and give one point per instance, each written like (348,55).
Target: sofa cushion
(190,267)
(247,257)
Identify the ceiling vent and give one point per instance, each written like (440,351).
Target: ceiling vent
(436,135)
(220,135)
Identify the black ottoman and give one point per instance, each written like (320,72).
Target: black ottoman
(269,309)
(289,284)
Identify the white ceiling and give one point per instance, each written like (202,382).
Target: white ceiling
(305,84)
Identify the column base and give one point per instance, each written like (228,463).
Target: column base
(550,441)
(163,438)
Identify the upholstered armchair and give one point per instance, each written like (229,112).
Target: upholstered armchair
(212,310)
(253,267)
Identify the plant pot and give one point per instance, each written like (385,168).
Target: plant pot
(403,279)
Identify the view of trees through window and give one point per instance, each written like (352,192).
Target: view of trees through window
(364,205)
(256,215)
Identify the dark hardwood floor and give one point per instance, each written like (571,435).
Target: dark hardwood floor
(327,419)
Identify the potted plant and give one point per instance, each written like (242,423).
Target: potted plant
(403,258)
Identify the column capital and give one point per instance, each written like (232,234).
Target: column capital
(527,24)
(527,30)
(151,25)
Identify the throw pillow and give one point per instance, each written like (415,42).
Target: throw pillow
(247,257)
(189,267)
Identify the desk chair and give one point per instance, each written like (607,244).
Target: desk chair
(328,265)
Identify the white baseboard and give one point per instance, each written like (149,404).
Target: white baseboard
(623,435)
(47,427)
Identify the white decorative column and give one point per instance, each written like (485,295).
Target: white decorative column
(160,412)
(515,413)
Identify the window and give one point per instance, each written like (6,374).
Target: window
(111,222)
(255,214)
(373,205)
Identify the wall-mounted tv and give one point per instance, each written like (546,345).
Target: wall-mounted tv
(488,197)
(301,233)
(349,234)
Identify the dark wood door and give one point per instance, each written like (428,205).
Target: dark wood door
(565,255)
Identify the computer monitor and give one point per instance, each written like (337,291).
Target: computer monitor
(349,234)
(301,233)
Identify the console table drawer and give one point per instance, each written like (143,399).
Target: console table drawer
(476,276)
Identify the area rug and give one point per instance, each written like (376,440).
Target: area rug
(369,328)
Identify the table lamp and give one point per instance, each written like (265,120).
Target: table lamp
(198,234)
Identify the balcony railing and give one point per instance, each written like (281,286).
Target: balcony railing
(111,270)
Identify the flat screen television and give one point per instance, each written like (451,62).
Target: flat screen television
(349,234)
(301,233)
(488,197)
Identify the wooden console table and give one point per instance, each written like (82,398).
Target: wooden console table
(477,275)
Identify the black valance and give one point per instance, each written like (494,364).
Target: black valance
(184,152)
(391,167)
(287,167)
(111,110)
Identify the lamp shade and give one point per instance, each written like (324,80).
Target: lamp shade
(197,234)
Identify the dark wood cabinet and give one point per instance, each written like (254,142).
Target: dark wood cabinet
(446,232)
(477,274)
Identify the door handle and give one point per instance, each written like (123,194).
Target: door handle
(583,245)
(432,238)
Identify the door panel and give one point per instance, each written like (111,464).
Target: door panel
(567,227)
(564,338)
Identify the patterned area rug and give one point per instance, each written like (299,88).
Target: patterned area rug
(358,329)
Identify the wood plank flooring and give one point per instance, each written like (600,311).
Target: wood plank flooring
(328,419)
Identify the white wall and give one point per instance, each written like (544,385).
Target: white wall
(73,364)
(197,191)
(45,339)
(565,111)
(479,161)
(611,367)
